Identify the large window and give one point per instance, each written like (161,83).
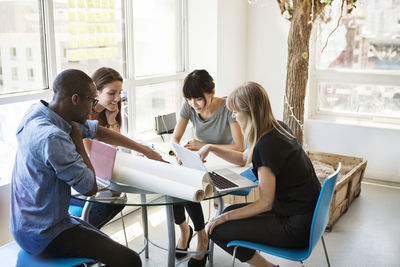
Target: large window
(159,59)
(21,31)
(89,35)
(358,72)
(158,37)
(142,39)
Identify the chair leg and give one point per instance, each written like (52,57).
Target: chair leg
(326,253)
(234,256)
(123,227)
(302,264)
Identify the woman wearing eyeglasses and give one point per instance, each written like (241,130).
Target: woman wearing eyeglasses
(107,111)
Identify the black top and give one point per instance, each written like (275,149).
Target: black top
(297,186)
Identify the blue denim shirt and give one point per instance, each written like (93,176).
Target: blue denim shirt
(46,166)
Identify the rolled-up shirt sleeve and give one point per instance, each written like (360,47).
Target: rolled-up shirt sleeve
(68,164)
(89,129)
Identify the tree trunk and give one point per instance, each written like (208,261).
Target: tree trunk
(297,66)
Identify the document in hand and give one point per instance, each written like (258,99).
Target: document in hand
(160,177)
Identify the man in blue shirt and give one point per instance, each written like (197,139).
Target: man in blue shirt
(50,160)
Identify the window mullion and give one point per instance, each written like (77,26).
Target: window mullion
(130,65)
(49,41)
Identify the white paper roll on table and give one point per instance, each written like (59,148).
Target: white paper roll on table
(159,177)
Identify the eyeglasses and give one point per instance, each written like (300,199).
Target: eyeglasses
(90,99)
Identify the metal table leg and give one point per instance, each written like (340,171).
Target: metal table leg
(171,235)
(211,251)
(145,226)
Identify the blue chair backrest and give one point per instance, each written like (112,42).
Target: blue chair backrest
(321,213)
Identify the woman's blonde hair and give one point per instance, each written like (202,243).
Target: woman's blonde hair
(252,100)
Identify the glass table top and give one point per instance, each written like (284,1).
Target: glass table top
(134,197)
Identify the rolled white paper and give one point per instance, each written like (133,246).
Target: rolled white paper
(159,177)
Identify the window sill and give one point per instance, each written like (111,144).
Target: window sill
(367,122)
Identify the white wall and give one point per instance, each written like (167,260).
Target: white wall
(202,36)
(218,41)
(379,145)
(267,51)
(231,45)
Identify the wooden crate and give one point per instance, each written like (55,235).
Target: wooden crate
(232,199)
(348,185)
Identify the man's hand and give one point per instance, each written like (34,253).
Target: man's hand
(76,134)
(194,144)
(151,154)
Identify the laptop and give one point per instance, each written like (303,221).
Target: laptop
(223,180)
(102,157)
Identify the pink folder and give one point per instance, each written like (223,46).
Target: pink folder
(102,157)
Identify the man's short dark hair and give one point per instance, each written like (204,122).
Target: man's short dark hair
(71,82)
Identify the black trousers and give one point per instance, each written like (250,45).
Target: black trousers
(266,228)
(195,212)
(100,213)
(85,241)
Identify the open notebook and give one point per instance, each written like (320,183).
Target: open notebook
(102,157)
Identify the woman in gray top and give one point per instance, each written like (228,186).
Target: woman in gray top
(213,124)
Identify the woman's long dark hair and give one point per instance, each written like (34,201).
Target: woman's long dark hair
(101,78)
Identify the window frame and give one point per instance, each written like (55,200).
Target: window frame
(133,82)
(350,76)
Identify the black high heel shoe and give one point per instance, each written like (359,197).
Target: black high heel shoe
(180,255)
(199,263)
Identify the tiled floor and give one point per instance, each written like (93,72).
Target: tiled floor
(368,234)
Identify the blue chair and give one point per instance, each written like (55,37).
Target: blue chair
(75,210)
(318,225)
(12,255)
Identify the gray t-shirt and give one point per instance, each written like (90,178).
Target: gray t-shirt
(214,130)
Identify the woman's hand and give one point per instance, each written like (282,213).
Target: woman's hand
(178,160)
(217,221)
(194,144)
(203,152)
(111,116)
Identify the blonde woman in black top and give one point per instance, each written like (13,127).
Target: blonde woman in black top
(289,188)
